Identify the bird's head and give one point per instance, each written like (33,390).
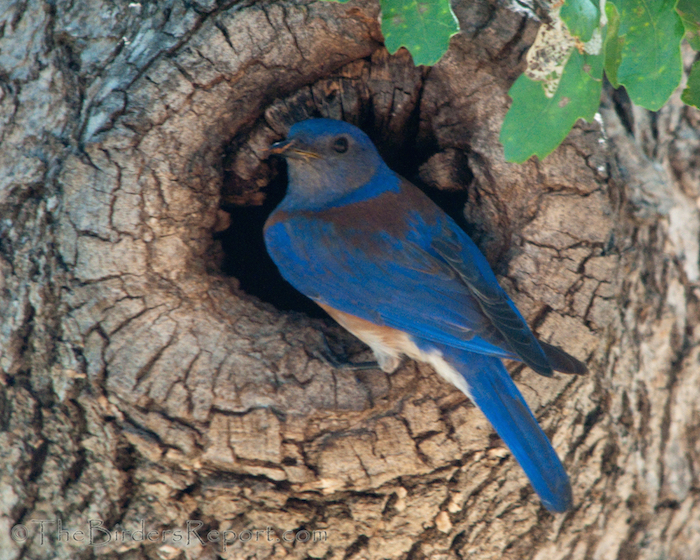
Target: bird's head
(327,160)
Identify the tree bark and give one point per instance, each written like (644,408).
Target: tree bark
(155,380)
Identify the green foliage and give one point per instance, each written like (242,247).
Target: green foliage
(424,27)
(613,44)
(582,17)
(650,67)
(537,124)
(691,94)
(641,51)
(637,43)
(689,10)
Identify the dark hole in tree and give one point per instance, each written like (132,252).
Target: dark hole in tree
(246,257)
(622,105)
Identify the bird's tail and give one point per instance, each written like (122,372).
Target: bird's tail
(493,391)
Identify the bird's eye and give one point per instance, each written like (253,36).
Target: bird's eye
(340,144)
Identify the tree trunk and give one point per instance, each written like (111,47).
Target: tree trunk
(161,385)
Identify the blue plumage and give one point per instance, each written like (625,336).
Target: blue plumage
(493,391)
(392,268)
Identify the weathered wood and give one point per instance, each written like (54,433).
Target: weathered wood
(140,383)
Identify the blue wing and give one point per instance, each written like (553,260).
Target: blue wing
(398,260)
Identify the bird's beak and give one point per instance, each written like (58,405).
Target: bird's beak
(291,149)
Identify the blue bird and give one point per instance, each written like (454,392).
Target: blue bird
(393,269)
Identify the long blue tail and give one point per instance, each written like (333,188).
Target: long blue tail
(494,392)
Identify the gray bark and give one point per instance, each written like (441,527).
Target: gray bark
(142,386)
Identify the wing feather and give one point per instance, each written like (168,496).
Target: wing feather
(427,279)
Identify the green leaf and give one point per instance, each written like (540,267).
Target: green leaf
(582,17)
(613,44)
(650,67)
(424,27)
(691,94)
(689,11)
(537,124)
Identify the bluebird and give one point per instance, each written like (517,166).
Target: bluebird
(393,269)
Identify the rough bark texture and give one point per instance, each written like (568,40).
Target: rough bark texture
(144,387)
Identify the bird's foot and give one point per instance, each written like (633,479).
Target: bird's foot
(331,358)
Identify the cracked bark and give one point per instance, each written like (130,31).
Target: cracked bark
(141,383)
